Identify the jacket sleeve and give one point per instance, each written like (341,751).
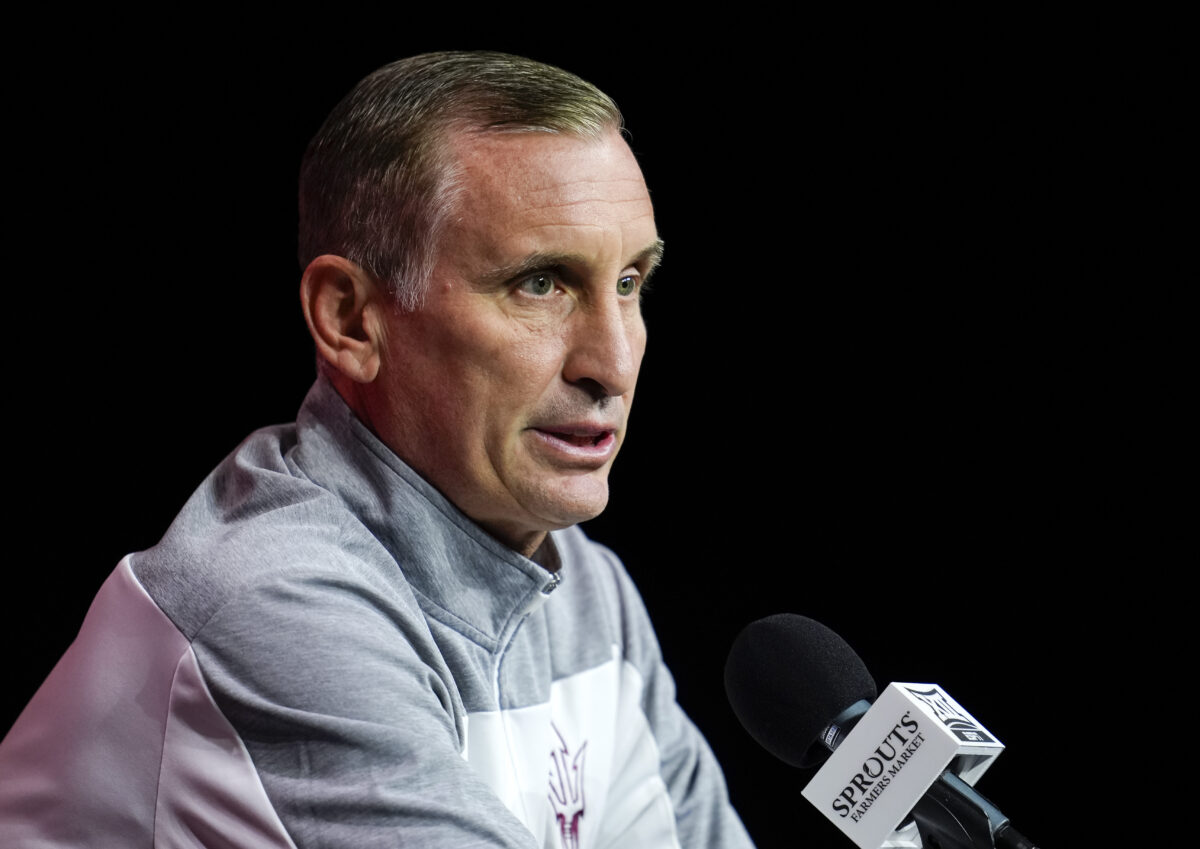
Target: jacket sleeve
(297,716)
(703,814)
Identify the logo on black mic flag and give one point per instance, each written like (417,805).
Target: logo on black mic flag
(952,716)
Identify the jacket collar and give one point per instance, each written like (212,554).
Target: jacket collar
(462,576)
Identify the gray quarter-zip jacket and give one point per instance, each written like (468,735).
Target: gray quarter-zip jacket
(324,652)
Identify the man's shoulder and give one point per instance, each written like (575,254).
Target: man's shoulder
(256,523)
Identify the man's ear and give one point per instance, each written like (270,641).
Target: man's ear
(344,306)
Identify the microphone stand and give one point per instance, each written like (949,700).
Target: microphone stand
(954,815)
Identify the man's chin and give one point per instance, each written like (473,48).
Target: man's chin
(580,501)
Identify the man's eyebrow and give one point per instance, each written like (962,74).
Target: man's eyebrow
(531,264)
(650,257)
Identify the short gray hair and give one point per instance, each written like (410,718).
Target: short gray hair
(378,181)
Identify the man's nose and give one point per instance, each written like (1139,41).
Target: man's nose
(605,348)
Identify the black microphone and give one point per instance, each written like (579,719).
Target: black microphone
(789,680)
(799,689)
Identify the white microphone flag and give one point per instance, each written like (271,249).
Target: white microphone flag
(893,755)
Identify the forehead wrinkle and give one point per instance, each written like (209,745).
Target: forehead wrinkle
(599,214)
(638,182)
(604,186)
(595,200)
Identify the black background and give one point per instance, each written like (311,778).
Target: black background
(909,354)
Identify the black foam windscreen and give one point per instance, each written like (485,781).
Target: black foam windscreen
(787,677)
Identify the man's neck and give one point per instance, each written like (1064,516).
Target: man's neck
(546,554)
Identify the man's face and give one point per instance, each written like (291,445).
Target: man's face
(509,389)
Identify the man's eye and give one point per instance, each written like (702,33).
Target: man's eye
(538,284)
(627,286)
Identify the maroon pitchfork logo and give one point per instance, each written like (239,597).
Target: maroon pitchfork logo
(566,789)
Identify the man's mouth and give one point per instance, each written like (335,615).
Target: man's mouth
(590,445)
(583,440)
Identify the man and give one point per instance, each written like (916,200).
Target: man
(379,626)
